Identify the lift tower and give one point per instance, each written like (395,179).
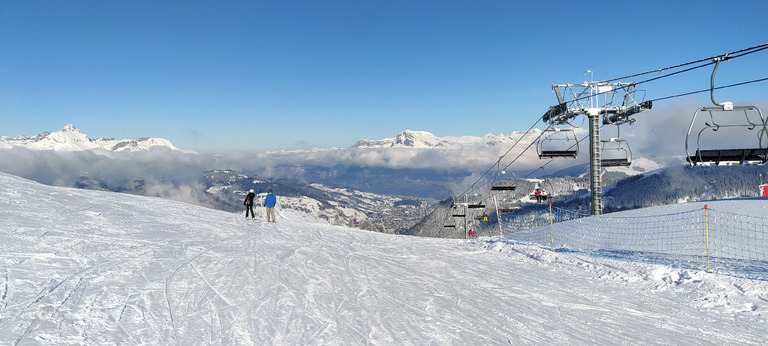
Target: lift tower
(615,102)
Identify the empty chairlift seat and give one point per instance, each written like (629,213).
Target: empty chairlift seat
(504,181)
(558,143)
(728,135)
(615,152)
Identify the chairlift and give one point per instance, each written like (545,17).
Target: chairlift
(558,143)
(542,196)
(507,209)
(725,123)
(503,180)
(483,218)
(458,209)
(475,201)
(449,223)
(615,152)
(506,205)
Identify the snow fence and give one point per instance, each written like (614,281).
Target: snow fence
(705,239)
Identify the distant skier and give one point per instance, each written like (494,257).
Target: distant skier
(538,195)
(270,202)
(472,233)
(248,203)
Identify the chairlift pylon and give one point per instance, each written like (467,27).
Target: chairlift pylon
(735,129)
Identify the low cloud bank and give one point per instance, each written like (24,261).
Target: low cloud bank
(161,173)
(659,133)
(177,175)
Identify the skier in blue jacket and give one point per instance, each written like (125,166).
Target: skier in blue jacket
(270,202)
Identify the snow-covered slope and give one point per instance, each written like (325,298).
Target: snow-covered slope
(90,267)
(71,139)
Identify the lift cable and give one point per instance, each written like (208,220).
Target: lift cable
(709,61)
(734,54)
(708,89)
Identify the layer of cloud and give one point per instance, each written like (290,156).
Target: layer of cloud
(162,173)
(658,134)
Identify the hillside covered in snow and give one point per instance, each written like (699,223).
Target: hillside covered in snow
(94,267)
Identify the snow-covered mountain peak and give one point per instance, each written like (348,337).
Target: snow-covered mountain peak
(405,139)
(70,138)
(416,139)
(426,140)
(69,134)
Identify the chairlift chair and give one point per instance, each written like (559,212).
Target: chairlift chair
(738,128)
(503,180)
(458,209)
(475,201)
(484,218)
(449,223)
(456,212)
(742,154)
(558,143)
(615,152)
(544,195)
(506,205)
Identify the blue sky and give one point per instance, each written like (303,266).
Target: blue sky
(221,76)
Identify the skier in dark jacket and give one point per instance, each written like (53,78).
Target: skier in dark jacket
(248,203)
(270,202)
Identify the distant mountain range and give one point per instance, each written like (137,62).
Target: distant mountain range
(388,198)
(427,140)
(71,139)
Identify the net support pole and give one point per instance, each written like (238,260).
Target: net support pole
(551,227)
(595,183)
(466,227)
(706,232)
(498,215)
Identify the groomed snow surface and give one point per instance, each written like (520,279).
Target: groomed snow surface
(89,267)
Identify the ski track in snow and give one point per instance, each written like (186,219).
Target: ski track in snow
(87,267)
